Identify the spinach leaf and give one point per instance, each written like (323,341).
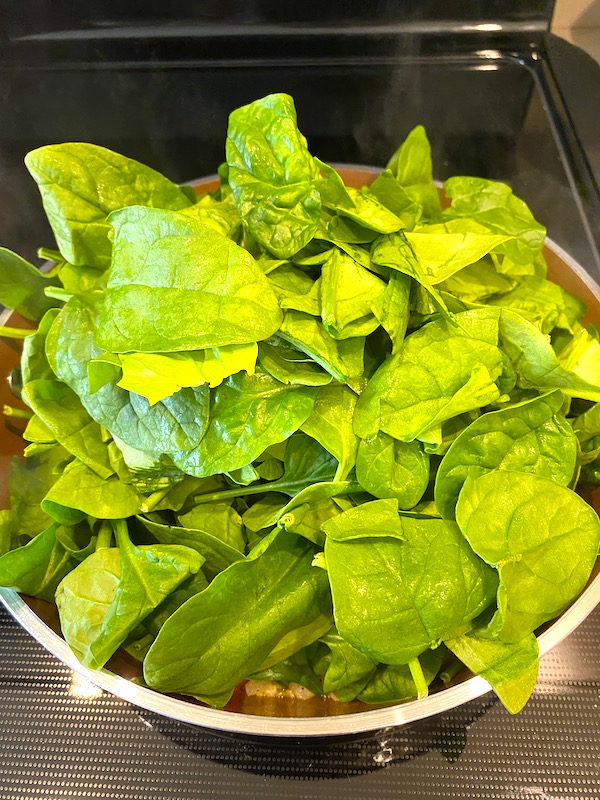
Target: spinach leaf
(81,489)
(265,512)
(206,647)
(289,365)
(160,375)
(221,215)
(218,519)
(163,259)
(306,462)
(535,362)
(510,669)
(307,518)
(308,302)
(287,280)
(587,429)
(247,414)
(299,668)
(7,530)
(217,554)
(386,467)
(542,303)
(348,671)
(272,174)
(349,293)
(34,362)
(412,167)
(22,286)
(478,282)
(29,481)
(392,309)
(394,599)
(82,183)
(176,423)
(581,355)
(361,207)
(441,371)
(103,599)
(139,640)
(543,539)
(60,410)
(388,191)
(395,253)
(393,683)
(37,568)
(330,423)
(442,251)
(531,436)
(373,520)
(343,359)
(494,206)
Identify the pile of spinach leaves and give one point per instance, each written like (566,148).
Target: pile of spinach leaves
(296,431)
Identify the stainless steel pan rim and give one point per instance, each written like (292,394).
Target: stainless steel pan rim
(300,727)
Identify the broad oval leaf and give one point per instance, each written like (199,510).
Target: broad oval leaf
(248,413)
(531,436)
(162,261)
(394,599)
(176,423)
(386,467)
(207,646)
(82,183)
(543,538)
(441,370)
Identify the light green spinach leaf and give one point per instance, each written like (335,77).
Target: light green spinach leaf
(543,539)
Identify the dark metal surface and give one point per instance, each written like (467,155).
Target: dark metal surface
(62,738)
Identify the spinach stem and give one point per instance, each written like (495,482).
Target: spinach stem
(15,333)
(48,254)
(416,670)
(57,293)
(105,534)
(154,499)
(121,532)
(451,671)
(273,486)
(16,413)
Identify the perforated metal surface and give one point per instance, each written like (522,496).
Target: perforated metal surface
(62,738)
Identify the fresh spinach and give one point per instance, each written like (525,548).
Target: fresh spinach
(531,436)
(299,431)
(287,599)
(400,584)
(82,183)
(542,538)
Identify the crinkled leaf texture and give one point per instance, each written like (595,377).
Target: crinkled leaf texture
(248,413)
(394,599)
(165,262)
(176,423)
(532,436)
(272,175)
(441,370)
(207,647)
(543,539)
(82,183)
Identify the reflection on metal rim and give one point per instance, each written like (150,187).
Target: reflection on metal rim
(299,727)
